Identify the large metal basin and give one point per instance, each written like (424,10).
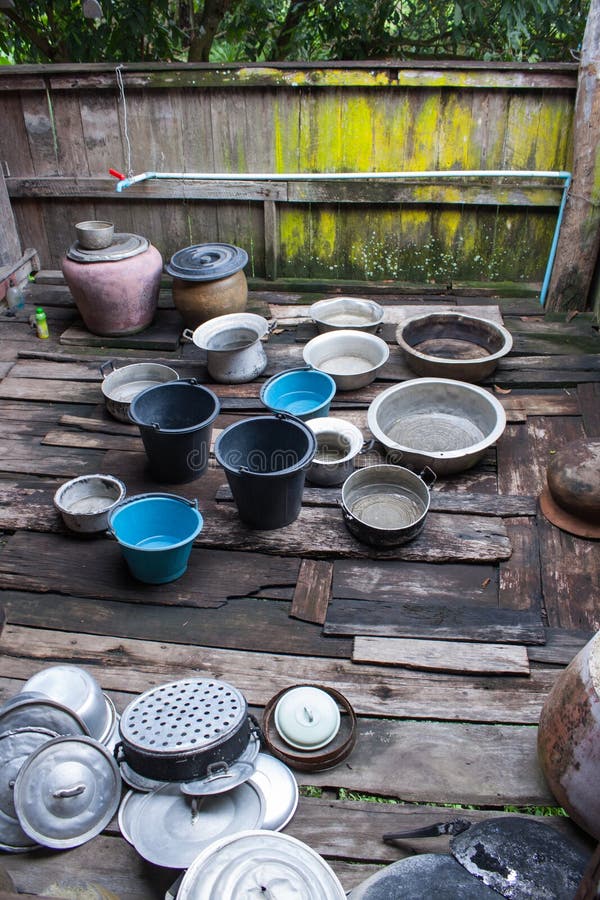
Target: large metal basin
(437,422)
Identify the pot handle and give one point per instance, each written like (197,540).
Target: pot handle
(428,476)
(367,446)
(187,334)
(272,326)
(118,753)
(105,365)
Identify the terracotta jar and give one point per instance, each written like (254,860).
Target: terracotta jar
(569,738)
(115,289)
(208,281)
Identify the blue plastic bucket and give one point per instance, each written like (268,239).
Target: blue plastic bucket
(156,533)
(175,421)
(305,393)
(265,460)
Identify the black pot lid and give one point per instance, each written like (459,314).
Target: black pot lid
(170,829)
(15,748)
(425,875)
(67,791)
(521,858)
(123,246)
(207,262)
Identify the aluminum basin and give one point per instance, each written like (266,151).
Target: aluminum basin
(352,358)
(437,422)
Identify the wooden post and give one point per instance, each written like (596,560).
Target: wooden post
(10,247)
(579,239)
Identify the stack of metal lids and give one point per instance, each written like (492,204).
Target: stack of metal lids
(59,786)
(123,246)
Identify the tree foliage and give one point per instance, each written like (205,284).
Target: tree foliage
(258,30)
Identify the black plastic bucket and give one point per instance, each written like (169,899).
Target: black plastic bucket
(265,460)
(175,421)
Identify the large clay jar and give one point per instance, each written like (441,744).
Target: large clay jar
(208,281)
(115,289)
(569,738)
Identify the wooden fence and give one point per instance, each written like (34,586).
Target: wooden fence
(64,127)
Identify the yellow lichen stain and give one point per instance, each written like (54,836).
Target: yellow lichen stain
(286,136)
(324,235)
(356,122)
(88,891)
(295,241)
(455,138)
(421,155)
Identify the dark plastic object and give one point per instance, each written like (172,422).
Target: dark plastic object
(175,421)
(207,262)
(265,460)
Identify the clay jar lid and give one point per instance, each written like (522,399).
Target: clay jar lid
(572,498)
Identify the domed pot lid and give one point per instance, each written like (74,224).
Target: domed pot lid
(32,709)
(67,791)
(571,498)
(259,864)
(206,262)
(15,748)
(170,829)
(520,858)
(307,717)
(123,246)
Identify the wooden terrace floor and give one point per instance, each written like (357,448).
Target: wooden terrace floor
(265,610)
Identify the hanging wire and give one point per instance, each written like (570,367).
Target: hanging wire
(119,71)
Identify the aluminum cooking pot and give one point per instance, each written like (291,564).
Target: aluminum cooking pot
(386,505)
(233,345)
(121,385)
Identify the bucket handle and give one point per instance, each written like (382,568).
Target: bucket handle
(272,326)
(428,476)
(367,446)
(105,365)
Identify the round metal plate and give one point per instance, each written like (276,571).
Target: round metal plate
(67,791)
(224,777)
(128,810)
(207,262)
(15,748)
(171,829)
(279,788)
(138,782)
(31,709)
(185,716)
(123,246)
(259,864)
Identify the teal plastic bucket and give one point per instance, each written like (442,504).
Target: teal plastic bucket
(305,393)
(156,533)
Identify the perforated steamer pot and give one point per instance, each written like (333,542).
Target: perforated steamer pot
(175,731)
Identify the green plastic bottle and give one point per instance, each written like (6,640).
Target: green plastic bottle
(41,323)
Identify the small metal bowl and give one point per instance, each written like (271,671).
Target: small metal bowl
(95,235)
(338,444)
(85,502)
(437,422)
(77,690)
(352,358)
(120,386)
(453,345)
(346,312)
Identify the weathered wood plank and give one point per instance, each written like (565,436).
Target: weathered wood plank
(519,582)
(464,623)
(244,623)
(589,401)
(442,656)
(313,590)
(372,690)
(561,646)
(295,314)
(570,578)
(101,572)
(525,451)
(162,334)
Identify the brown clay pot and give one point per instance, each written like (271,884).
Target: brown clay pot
(569,738)
(117,297)
(198,301)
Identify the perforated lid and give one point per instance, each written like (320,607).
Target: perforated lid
(194,714)
(207,262)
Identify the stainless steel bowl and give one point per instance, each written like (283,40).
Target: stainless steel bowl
(338,444)
(352,358)
(76,689)
(121,385)
(95,235)
(453,345)
(336,313)
(437,422)
(85,502)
